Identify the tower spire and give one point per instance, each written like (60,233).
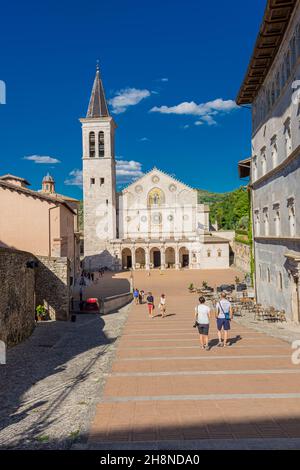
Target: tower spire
(97,105)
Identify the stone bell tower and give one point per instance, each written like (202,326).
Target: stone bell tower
(99,178)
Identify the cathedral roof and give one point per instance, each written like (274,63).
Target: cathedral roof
(97,105)
(156,170)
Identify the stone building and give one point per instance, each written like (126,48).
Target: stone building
(154,222)
(270,86)
(43,223)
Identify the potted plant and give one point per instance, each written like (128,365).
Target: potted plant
(41,312)
(237,280)
(205,284)
(191,287)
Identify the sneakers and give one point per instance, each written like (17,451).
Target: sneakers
(206,347)
(220,344)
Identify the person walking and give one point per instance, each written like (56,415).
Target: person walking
(202,318)
(142,293)
(136,296)
(162,305)
(150,304)
(224,316)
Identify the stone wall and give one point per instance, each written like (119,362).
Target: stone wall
(23,287)
(111,304)
(53,286)
(17,299)
(242,256)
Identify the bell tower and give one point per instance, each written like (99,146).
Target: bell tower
(99,177)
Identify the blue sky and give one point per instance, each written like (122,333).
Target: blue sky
(172,57)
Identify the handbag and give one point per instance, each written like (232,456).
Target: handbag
(227,314)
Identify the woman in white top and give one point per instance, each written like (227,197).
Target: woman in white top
(162,305)
(202,317)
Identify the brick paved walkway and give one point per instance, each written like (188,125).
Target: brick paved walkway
(164,392)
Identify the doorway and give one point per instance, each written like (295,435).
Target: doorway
(185,261)
(156,259)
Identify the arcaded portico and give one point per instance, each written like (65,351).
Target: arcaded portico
(172,255)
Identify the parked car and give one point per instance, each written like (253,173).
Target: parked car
(92,305)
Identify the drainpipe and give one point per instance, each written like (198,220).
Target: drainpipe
(296,278)
(253,242)
(49,230)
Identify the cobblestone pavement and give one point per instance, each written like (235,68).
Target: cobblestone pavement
(164,392)
(51,381)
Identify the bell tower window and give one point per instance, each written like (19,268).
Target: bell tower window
(92,144)
(101,143)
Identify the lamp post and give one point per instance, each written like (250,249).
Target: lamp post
(131,280)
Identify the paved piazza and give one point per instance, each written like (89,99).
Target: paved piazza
(164,392)
(127,381)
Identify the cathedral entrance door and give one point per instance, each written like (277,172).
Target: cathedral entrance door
(185,261)
(129,262)
(156,259)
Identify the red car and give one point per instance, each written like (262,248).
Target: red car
(92,305)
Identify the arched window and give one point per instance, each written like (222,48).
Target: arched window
(287,136)
(260,272)
(92,144)
(208,253)
(268,275)
(292,216)
(274,150)
(219,253)
(101,143)
(277,223)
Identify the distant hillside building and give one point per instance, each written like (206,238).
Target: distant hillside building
(155,222)
(271,85)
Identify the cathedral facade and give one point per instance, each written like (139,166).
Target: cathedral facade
(155,222)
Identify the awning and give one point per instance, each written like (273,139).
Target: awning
(244,168)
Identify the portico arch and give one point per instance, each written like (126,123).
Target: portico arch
(155,257)
(184,257)
(170,257)
(126,258)
(140,257)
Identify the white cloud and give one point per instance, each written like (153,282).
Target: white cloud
(75,178)
(164,79)
(209,120)
(204,110)
(144,139)
(186,126)
(199,123)
(42,159)
(128,171)
(127,97)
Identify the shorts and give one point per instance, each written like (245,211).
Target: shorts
(203,329)
(223,323)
